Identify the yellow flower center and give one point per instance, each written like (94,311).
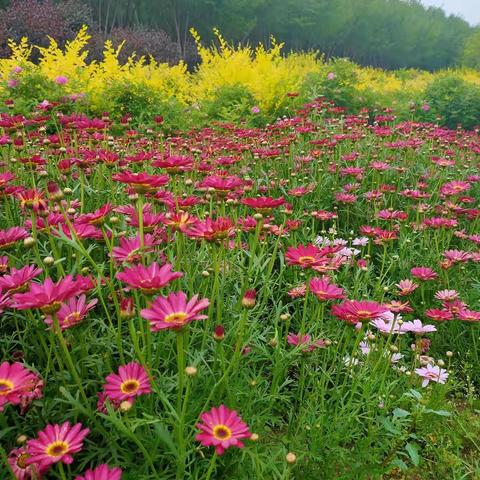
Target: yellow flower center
(5,387)
(306,259)
(57,449)
(71,318)
(177,317)
(22,461)
(130,386)
(222,432)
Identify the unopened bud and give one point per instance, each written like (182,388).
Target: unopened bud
(291,458)
(249,298)
(48,260)
(125,406)
(191,371)
(219,333)
(29,242)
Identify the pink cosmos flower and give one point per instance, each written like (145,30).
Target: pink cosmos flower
(130,382)
(17,280)
(148,279)
(56,443)
(222,428)
(432,373)
(47,296)
(324,290)
(174,311)
(72,312)
(15,383)
(102,472)
(17,459)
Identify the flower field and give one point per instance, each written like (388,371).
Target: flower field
(294,301)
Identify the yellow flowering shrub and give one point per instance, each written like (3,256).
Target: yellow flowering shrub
(266,74)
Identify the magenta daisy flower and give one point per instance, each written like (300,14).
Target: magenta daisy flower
(17,459)
(56,443)
(10,236)
(148,279)
(47,296)
(72,312)
(324,290)
(17,280)
(102,472)
(222,428)
(131,381)
(15,382)
(174,311)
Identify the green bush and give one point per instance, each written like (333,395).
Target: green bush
(455,100)
(230,103)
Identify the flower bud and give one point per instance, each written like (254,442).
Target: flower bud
(219,333)
(291,458)
(29,242)
(48,260)
(191,371)
(125,406)
(54,192)
(249,298)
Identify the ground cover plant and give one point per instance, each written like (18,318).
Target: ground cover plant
(299,300)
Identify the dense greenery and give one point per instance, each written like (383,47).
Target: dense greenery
(383,33)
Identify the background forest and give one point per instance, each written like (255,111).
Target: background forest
(389,34)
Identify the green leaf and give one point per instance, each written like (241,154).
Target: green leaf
(442,413)
(390,427)
(398,463)
(412,450)
(400,413)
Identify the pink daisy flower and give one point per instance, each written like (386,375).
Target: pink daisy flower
(102,472)
(72,312)
(222,428)
(324,290)
(148,279)
(131,381)
(423,273)
(432,373)
(10,236)
(17,459)
(17,280)
(130,249)
(56,443)
(47,296)
(174,311)
(15,382)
